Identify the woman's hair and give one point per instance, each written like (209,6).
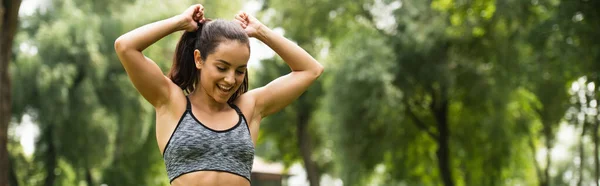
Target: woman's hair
(206,39)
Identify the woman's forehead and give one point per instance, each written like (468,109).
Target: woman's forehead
(232,53)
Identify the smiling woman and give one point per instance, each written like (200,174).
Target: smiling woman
(206,119)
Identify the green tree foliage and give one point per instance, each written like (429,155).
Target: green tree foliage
(461,94)
(436,92)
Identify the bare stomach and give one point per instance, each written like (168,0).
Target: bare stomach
(210,178)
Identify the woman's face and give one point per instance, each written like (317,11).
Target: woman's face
(222,73)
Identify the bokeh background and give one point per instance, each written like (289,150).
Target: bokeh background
(415,93)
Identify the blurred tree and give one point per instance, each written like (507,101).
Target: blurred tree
(311,26)
(483,81)
(458,65)
(75,128)
(472,59)
(580,22)
(9,12)
(450,61)
(364,106)
(582,114)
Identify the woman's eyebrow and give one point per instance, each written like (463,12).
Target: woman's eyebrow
(229,64)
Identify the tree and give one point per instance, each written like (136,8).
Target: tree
(578,20)
(9,10)
(583,114)
(300,120)
(457,66)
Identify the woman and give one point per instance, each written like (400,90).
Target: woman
(206,121)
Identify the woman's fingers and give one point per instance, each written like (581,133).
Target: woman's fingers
(199,13)
(241,20)
(241,13)
(196,12)
(239,17)
(195,8)
(198,8)
(240,23)
(243,16)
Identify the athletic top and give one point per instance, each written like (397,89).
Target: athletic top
(195,147)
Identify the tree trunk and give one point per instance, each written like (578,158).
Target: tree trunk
(596,160)
(9,10)
(581,153)
(12,175)
(548,142)
(467,174)
(306,149)
(88,177)
(50,158)
(439,107)
(538,170)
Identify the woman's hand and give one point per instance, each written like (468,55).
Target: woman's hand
(250,24)
(190,17)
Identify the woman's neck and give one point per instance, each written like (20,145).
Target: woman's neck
(206,103)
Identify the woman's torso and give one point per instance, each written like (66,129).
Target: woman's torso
(210,178)
(168,117)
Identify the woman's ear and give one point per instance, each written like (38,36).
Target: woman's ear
(198,59)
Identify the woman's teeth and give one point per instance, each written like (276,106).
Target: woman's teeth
(226,89)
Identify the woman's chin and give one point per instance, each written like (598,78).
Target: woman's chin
(222,96)
(222,99)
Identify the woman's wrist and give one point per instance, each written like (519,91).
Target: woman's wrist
(179,21)
(262,33)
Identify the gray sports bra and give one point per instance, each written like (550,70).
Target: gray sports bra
(195,147)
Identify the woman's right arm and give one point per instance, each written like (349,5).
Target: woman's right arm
(145,75)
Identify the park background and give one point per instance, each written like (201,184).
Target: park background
(415,92)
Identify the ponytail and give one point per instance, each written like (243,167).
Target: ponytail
(206,39)
(183,71)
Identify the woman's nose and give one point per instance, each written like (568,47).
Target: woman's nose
(230,78)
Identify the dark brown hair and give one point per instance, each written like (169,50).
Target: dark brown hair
(206,39)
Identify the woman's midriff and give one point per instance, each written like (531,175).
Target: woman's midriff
(210,178)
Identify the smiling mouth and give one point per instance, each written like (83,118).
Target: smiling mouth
(224,88)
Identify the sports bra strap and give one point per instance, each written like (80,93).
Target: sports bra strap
(236,108)
(188,106)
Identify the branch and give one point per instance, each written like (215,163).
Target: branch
(538,170)
(420,124)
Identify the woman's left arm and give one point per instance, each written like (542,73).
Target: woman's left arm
(284,90)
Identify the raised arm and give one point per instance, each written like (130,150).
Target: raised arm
(285,89)
(146,76)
